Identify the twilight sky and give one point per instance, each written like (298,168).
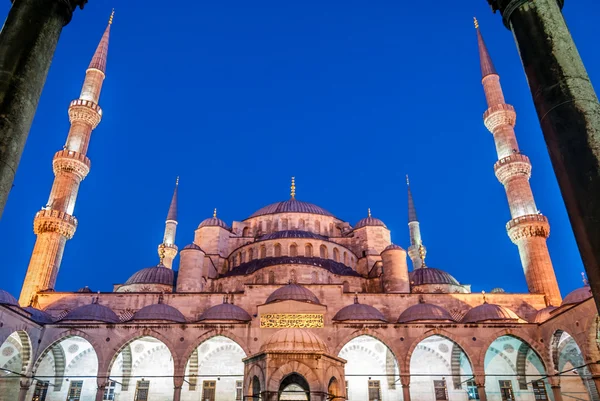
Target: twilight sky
(235,97)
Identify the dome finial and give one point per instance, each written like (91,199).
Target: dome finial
(293,188)
(112,15)
(585,280)
(161,297)
(407,180)
(369,212)
(355,297)
(483,295)
(422,255)
(177,181)
(161,255)
(215,213)
(476,22)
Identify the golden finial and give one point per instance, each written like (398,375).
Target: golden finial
(112,15)
(161,254)
(293,188)
(369,212)
(585,281)
(407,180)
(422,255)
(215,213)
(483,295)
(476,23)
(177,181)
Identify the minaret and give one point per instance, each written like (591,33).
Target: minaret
(168,250)
(416,243)
(55,223)
(528,228)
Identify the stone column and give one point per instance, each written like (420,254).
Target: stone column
(177,393)
(24,388)
(556,391)
(480,383)
(27,43)
(569,115)
(102,383)
(405,380)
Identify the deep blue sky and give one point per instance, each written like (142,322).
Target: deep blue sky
(236,97)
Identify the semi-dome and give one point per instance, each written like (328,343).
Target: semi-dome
(578,295)
(424,312)
(489,312)
(39,316)
(7,299)
(430,275)
(357,311)
(292,234)
(213,222)
(369,221)
(543,314)
(153,275)
(192,246)
(225,311)
(291,206)
(293,292)
(85,290)
(159,311)
(93,312)
(393,247)
(294,340)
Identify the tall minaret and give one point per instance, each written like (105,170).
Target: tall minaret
(416,247)
(55,223)
(528,228)
(168,250)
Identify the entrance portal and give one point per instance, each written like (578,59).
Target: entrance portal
(294,387)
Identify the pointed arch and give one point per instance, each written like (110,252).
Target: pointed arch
(308,250)
(263,251)
(293,249)
(323,253)
(277,250)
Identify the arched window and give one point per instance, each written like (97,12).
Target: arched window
(263,251)
(293,276)
(331,229)
(284,224)
(317,226)
(345,258)
(301,225)
(246,232)
(323,252)
(293,250)
(251,254)
(346,286)
(336,254)
(308,252)
(269,226)
(243,260)
(271,277)
(277,250)
(237,259)
(276,225)
(313,277)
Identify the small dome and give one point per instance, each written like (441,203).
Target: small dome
(424,311)
(290,340)
(487,312)
(369,221)
(85,289)
(159,311)
(192,246)
(153,275)
(291,206)
(293,292)
(393,247)
(578,295)
(39,316)
(95,312)
(225,311)
(214,222)
(497,290)
(429,275)
(543,314)
(358,311)
(292,234)
(7,299)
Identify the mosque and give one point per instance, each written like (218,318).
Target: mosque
(294,303)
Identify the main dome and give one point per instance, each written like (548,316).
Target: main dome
(291,206)
(153,275)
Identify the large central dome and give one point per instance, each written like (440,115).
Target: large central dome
(291,206)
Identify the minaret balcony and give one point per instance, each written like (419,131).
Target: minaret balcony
(511,166)
(528,226)
(71,162)
(85,111)
(498,115)
(50,220)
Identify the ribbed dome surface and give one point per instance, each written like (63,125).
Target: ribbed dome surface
(225,312)
(292,234)
(192,246)
(488,312)
(159,312)
(153,275)
(369,221)
(424,311)
(85,289)
(429,275)
(39,316)
(7,299)
(95,312)
(291,206)
(358,311)
(213,222)
(293,292)
(294,340)
(543,314)
(393,247)
(578,295)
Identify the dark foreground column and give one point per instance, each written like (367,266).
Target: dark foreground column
(27,43)
(569,115)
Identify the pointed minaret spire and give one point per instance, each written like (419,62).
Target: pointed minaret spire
(168,250)
(416,247)
(55,223)
(528,228)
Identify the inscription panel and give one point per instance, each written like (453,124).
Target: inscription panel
(291,320)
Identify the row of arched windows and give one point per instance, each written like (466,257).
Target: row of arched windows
(292,250)
(262,227)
